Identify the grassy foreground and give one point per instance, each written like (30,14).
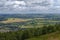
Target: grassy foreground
(51,36)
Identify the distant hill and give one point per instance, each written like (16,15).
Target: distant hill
(28,16)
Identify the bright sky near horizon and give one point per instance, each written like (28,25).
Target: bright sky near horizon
(29,6)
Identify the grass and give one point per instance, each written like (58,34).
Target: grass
(51,36)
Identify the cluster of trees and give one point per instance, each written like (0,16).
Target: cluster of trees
(29,33)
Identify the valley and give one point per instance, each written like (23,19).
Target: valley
(13,22)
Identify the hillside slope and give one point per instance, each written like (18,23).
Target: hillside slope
(51,36)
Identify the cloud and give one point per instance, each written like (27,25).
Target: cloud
(28,6)
(15,3)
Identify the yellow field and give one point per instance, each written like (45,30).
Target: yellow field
(11,20)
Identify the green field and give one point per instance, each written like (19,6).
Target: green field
(29,23)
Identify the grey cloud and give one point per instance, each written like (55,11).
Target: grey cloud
(25,6)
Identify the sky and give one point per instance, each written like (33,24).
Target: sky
(29,6)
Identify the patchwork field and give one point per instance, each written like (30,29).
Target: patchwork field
(13,21)
(28,23)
